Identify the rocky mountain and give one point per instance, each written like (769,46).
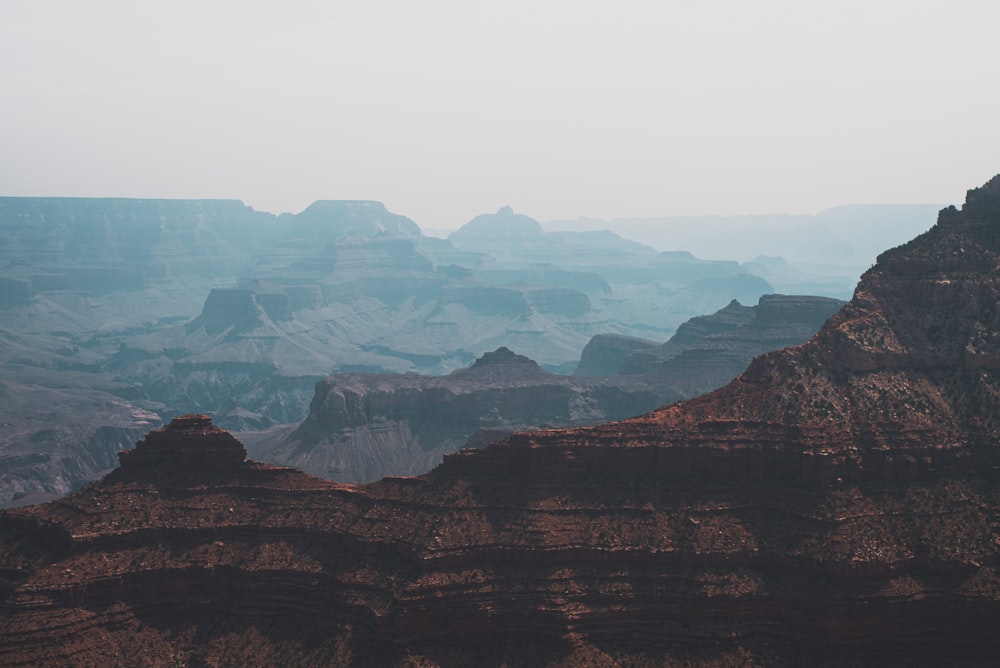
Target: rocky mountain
(719,345)
(625,281)
(821,254)
(153,308)
(154,256)
(362,427)
(836,504)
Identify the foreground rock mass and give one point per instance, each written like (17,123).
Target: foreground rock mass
(835,504)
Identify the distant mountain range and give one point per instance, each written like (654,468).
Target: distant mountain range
(836,241)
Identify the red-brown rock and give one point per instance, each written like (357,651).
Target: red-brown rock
(189,444)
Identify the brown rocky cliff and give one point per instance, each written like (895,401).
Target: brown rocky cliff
(837,504)
(189,444)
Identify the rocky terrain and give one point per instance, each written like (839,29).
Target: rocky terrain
(821,254)
(117,308)
(836,504)
(723,342)
(362,427)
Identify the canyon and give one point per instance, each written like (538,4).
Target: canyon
(364,426)
(835,504)
(116,314)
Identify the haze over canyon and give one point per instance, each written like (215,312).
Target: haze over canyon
(834,504)
(119,314)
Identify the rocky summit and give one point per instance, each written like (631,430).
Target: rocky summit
(836,504)
(190,444)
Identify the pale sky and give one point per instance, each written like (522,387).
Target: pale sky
(446,109)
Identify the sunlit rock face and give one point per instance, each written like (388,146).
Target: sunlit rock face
(836,504)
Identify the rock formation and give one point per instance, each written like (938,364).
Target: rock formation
(605,354)
(827,251)
(61,429)
(719,345)
(362,427)
(189,444)
(836,504)
(143,309)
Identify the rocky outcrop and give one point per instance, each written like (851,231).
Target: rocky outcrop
(605,354)
(732,316)
(516,241)
(836,504)
(362,427)
(230,309)
(708,351)
(722,344)
(326,221)
(189,443)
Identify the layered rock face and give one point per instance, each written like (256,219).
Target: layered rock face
(836,504)
(190,443)
(100,245)
(362,427)
(710,347)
